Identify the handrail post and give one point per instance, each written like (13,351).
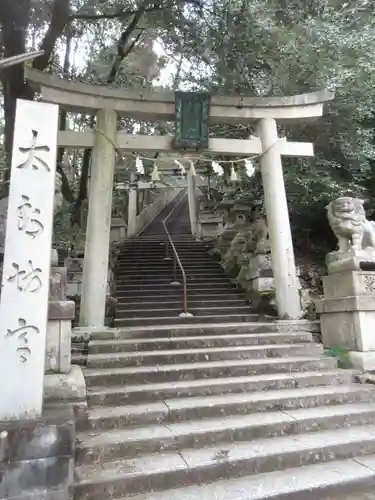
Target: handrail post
(166,248)
(185,299)
(174,268)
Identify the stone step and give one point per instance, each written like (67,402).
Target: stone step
(222,405)
(171,303)
(154,258)
(162,243)
(119,359)
(214,328)
(195,284)
(144,280)
(130,442)
(166,264)
(195,298)
(332,480)
(201,341)
(165,267)
(177,320)
(130,394)
(148,277)
(158,273)
(160,250)
(169,311)
(171,290)
(209,369)
(205,465)
(186,261)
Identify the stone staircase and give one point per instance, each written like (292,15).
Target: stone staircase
(222,406)
(148,293)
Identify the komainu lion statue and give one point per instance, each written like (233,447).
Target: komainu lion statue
(348,221)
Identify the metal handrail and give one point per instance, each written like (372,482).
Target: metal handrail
(176,258)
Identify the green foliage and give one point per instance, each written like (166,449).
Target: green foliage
(342,356)
(235,47)
(275,47)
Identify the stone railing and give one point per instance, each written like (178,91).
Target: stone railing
(151,211)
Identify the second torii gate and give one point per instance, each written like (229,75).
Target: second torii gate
(108,103)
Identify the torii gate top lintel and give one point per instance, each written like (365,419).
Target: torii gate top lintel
(154,105)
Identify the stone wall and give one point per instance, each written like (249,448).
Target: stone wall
(37,457)
(149,213)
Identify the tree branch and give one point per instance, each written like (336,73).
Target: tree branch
(59,18)
(122,52)
(109,15)
(86,16)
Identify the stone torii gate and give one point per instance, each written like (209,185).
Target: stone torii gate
(108,104)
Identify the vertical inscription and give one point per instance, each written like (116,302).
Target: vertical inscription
(27,257)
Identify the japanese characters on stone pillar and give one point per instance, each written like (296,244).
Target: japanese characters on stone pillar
(25,282)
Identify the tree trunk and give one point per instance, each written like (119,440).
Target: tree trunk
(14,18)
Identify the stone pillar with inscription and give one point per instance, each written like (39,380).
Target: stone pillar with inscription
(27,257)
(347,312)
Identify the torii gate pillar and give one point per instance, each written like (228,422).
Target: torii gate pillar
(284,269)
(95,266)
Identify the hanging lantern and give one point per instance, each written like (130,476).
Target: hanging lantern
(155,176)
(233,175)
(139,166)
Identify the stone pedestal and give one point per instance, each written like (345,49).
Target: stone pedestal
(59,330)
(348,314)
(74,267)
(210,226)
(353,260)
(37,456)
(118,230)
(64,384)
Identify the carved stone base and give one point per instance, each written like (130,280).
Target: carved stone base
(354,260)
(364,361)
(59,331)
(66,388)
(348,311)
